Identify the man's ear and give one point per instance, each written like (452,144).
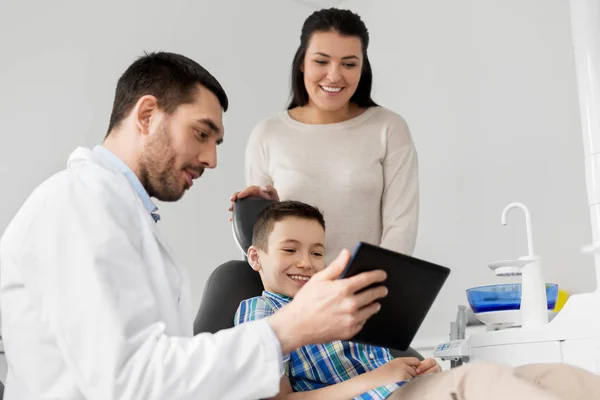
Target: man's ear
(145,108)
(253,258)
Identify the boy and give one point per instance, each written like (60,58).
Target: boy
(288,245)
(287,249)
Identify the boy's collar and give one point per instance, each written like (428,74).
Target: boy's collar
(278,296)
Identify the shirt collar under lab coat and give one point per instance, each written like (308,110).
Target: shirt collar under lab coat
(134,181)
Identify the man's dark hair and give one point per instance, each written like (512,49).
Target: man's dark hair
(276,212)
(171,78)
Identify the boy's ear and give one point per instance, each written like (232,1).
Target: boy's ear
(253,258)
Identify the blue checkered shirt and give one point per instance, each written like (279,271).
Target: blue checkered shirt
(318,365)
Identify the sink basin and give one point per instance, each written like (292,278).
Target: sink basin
(504,297)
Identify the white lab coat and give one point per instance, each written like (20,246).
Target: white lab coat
(94,307)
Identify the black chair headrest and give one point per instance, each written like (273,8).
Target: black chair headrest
(245,213)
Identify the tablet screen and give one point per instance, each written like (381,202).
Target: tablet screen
(413,285)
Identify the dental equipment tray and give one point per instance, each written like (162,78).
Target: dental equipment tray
(413,286)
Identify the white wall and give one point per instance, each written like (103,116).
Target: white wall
(487,86)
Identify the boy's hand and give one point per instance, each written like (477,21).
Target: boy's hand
(397,370)
(428,366)
(266,192)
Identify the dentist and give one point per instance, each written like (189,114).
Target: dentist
(92,304)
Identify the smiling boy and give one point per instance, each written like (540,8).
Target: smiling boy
(287,249)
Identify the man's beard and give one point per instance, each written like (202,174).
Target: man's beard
(160,176)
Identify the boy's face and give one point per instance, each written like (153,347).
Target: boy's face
(294,253)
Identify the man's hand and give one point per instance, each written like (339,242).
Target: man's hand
(428,366)
(327,308)
(266,192)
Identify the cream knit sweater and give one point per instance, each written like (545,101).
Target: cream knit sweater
(362,173)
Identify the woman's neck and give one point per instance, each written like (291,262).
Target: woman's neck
(310,114)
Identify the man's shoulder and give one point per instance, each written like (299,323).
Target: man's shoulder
(83,174)
(89,177)
(85,185)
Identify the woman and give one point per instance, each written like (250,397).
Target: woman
(334,147)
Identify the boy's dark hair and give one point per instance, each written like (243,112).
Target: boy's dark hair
(276,212)
(171,78)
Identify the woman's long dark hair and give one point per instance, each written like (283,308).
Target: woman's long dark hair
(346,23)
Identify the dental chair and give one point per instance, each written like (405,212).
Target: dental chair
(235,280)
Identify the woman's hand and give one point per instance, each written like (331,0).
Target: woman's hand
(266,192)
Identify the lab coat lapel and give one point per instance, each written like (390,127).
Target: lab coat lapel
(178,274)
(184,295)
(161,240)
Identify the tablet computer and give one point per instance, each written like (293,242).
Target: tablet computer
(413,286)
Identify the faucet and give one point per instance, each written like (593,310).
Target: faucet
(534,303)
(527,224)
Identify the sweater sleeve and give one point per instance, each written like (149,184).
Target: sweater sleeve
(400,198)
(256,161)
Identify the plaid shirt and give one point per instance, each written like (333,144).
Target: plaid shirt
(318,365)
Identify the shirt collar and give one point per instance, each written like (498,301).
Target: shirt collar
(281,298)
(134,181)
